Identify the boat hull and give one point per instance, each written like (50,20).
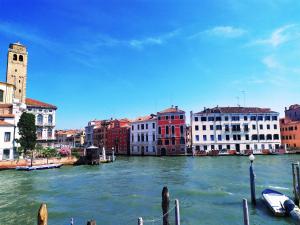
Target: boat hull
(41,167)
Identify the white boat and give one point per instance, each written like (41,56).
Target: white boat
(275,201)
(41,167)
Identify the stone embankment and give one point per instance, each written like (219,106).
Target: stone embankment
(12,164)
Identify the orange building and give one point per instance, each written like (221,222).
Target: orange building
(290,133)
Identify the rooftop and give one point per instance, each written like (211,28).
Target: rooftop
(144,118)
(5,124)
(172,109)
(295,106)
(242,110)
(35,103)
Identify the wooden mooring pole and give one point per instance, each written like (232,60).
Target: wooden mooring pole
(140,221)
(165,205)
(177,212)
(295,172)
(252,182)
(245,211)
(43,215)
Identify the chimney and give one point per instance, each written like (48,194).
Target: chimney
(176,107)
(172,106)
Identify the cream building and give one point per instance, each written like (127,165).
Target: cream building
(235,128)
(143,136)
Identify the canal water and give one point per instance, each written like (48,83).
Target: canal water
(210,190)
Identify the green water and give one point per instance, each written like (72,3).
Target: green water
(210,190)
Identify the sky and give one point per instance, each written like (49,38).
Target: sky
(97,59)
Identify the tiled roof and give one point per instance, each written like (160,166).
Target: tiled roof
(295,106)
(6,105)
(237,110)
(144,118)
(5,124)
(171,110)
(35,103)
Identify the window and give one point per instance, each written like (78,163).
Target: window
(181,129)
(142,126)
(261,137)
(218,127)
(247,147)
(212,147)
(40,119)
(211,118)
(146,126)
(15,57)
(50,118)
(153,137)
(218,118)
(246,128)
(39,132)
(196,118)
(158,118)
(226,118)
(167,129)
(226,128)
(181,117)
(173,141)
(132,127)
(173,129)
(228,147)
(172,117)
(211,127)
(247,137)
(253,127)
(159,130)
(269,136)
(138,126)
(196,127)
(49,133)
(268,126)
(235,118)
(204,138)
(276,137)
(253,118)
(167,117)
(167,142)
(227,137)
(197,138)
(203,127)
(267,118)
(254,137)
(212,137)
(261,127)
(275,126)
(220,147)
(274,118)
(153,125)
(7,137)
(245,118)
(203,118)
(20,58)
(260,118)
(236,128)
(205,147)
(219,137)
(1,95)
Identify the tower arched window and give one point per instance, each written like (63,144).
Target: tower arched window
(50,119)
(49,133)
(20,58)
(1,95)
(39,132)
(40,119)
(15,57)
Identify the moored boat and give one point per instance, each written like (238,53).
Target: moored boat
(40,167)
(275,201)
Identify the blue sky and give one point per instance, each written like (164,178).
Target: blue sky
(102,59)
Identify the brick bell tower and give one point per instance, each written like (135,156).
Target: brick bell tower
(16,71)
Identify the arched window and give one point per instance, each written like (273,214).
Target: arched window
(50,119)
(20,58)
(49,133)
(40,119)
(15,57)
(1,95)
(39,132)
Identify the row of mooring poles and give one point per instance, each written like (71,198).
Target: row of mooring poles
(296,182)
(165,205)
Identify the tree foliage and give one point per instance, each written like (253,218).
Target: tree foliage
(27,132)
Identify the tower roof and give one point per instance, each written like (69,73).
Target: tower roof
(35,103)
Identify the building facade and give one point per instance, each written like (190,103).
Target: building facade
(69,138)
(118,137)
(171,132)
(45,117)
(293,112)
(239,129)
(143,135)
(89,132)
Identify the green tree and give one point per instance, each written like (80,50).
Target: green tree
(49,152)
(27,132)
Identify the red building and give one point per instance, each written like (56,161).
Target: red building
(118,137)
(171,130)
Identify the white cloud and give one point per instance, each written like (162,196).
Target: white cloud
(226,31)
(280,36)
(271,62)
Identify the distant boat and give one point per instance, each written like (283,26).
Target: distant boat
(275,201)
(41,167)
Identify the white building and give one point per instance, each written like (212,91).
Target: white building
(44,121)
(143,136)
(89,132)
(235,128)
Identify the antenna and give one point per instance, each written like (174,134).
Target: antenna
(238,100)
